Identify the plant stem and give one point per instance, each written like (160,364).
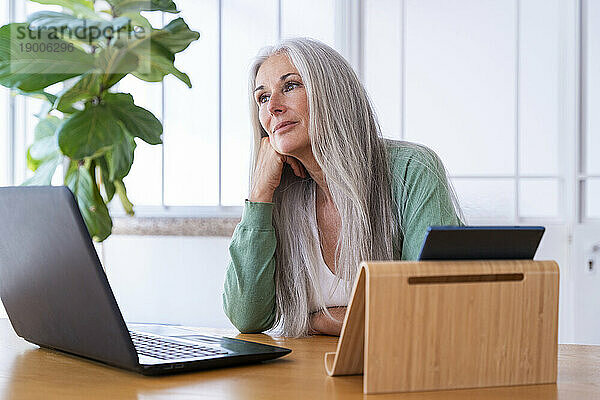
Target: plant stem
(92,171)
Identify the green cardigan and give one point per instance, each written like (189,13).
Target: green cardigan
(422,195)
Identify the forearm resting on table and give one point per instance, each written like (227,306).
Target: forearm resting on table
(324,325)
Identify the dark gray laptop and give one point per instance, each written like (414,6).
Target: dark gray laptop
(57,296)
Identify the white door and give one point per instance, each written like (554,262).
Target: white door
(585,255)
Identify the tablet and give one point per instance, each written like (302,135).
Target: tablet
(481,242)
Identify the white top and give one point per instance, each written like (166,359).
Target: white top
(331,288)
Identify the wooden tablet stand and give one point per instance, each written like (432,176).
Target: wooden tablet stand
(430,325)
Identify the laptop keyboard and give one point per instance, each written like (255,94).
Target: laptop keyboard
(165,349)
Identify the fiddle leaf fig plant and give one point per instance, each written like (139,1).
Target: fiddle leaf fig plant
(72,60)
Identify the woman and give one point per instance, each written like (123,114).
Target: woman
(326,192)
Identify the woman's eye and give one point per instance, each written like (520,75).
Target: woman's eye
(289,86)
(263,99)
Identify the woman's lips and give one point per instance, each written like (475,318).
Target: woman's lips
(286,126)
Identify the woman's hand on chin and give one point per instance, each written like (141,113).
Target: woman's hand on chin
(267,174)
(321,324)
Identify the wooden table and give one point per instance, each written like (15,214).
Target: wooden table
(27,372)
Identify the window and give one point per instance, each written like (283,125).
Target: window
(466,81)
(479,84)
(589,163)
(19,121)
(203,165)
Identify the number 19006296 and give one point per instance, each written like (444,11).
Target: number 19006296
(46,47)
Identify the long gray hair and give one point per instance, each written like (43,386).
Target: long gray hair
(346,143)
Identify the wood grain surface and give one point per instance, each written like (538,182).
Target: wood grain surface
(27,372)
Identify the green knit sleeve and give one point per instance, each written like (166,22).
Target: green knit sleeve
(423,196)
(249,290)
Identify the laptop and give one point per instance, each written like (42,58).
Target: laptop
(57,296)
(481,242)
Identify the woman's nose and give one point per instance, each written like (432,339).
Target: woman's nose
(276,104)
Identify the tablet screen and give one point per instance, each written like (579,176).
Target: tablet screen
(481,242)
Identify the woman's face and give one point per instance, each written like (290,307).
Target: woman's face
(283,106)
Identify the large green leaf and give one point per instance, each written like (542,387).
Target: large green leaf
(90,132)
(115,64)
(92,206)
(138,121)
(45,143)
(176,36)
(46,127)
(157,63)
(109,186)
(124,6)
(43,155)
(112,65)
(138,19)
(156,51)
(50,60)
(44,173)
(98,127)
(84,29)
(86,87)
(120,158)
(44,149)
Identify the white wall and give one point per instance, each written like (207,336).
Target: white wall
(168,279)
(172,279)
(555,246)
(585,285)
(179,280)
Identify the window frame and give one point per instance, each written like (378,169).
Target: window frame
(583,177)
(562,179)
(347,20)
(349,37)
